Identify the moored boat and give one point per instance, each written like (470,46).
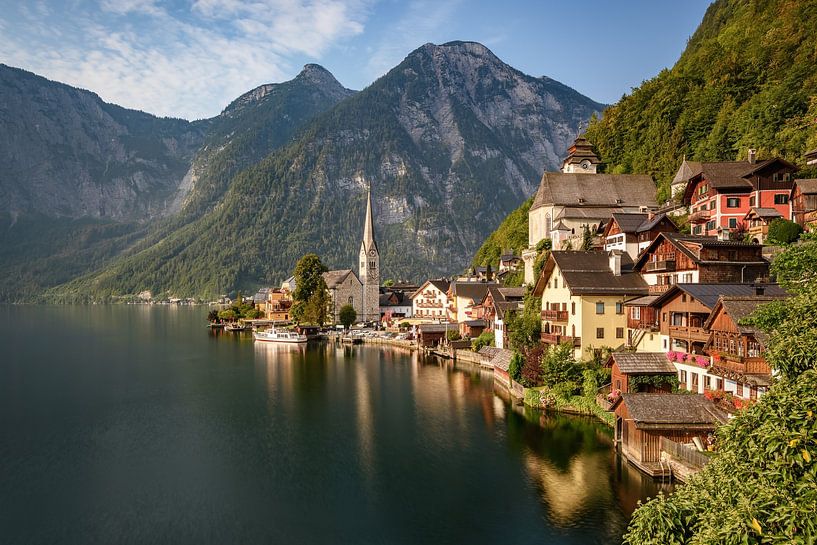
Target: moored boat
(275,336)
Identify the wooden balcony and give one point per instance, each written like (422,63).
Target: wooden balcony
(702,216)
(555,315)
(686,333)
(660,266)
(555,338)
(743,364)
(658,289)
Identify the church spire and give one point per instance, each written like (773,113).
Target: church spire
(368,227)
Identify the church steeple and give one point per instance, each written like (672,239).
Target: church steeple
(370,266)
(368,226)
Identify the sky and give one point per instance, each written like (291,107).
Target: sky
(190,58)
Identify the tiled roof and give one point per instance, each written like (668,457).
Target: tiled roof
(649,224)
(589,273)
(629,223)
(590,212)
(513,293)
(738,308)
(502,359)
(708,294)
(767,213)
(678,240)
(335,278)
(643,363)
(687,170)
(596,189)
(471,290)
(808,186)
(670,411)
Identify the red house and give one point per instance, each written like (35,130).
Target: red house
(721,194)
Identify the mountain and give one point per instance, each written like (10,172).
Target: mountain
(84,181)
(451,140)
(745,80)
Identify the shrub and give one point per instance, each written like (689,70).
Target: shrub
(485,339)
(783,231)
(453,335)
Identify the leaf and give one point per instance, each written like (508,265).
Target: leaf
(806,456)
(756,526)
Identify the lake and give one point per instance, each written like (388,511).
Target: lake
(135,424)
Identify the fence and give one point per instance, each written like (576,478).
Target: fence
(681,452)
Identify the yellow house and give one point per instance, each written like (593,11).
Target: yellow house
(583,296)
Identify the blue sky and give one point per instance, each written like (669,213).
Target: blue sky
(190,58)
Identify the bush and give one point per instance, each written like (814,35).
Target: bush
(485,339)
(453,335)
(783,231)
(515,366)
(559,366)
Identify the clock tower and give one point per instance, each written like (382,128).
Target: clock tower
(369,268)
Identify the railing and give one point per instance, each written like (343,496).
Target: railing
(658,289)
(681,452)
(555,315)
(662,265)
(744,365)
(702,216)
(689,333)
(649,325)
(555,338)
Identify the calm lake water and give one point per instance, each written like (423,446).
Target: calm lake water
(136,425)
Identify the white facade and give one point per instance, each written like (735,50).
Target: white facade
(430,303)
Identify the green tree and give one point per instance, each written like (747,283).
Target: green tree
(558,366)
(783,231)
(228,314)
(796,267)
(212,316)
(388,283)
(515,366)
(309,280)
(587,238)
(315,310)
(452,335)
(486,338)
(347,315)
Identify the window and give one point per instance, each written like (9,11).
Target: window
(619,333)
(710,225)
(555,282)
(696,230)
(682,378)
(599,332)
(781,198)
(752,200)
(351,300)
(683,297)
(707,382)
(712,205)
(636,313)
(600,308)
(573,308)
(694,381)
(733,222)
(733,202)
(619,308)
(740,389)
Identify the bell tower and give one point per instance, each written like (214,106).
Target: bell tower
(369,267)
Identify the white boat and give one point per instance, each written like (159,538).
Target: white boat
(275,336)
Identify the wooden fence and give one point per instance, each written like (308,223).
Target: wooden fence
(683,453)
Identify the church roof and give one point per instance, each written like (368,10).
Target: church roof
(579,151)
(606,190)
(368,226)
(335,278)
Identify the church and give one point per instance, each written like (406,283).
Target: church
(363,291)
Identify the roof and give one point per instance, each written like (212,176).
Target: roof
(731,174)
(686,171)
(476,323)
(261,295)
(512,293)
(588,273)
(739,308)
(678,240)
(629,222)
(642,363)
(596,189)
(504,306)
(650,223)
(708,294)
(440,283)
(502,359)
(645,301)
(436,328)
(509,257)
(474,291)
(591,212)
(663,411)
(808,186)
(334,278)
(766,213)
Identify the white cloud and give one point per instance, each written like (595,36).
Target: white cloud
(139,54)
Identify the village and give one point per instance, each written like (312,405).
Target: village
(645,318)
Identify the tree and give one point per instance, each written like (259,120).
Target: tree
(347,315)
(452,335)
(388,283)
(783,231)
(486,338)
(587,238)
(228,314)
(524,331)
(796,267)
(515,366)
(308,280)
(558,365)
(315,309)
(212,316)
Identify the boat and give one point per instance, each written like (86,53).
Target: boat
(275,336)
(237,327)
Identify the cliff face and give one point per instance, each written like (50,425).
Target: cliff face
(451,140)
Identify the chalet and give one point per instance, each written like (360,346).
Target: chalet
(642,324)
(472,328)
(464,296)
(642,419)
(737,350)
(628,368)
(577,197)
(430,301)
(344,288)
(494,305)
(633,232)
(582,298)
(804,203)
(509,262)
(394,305)
(756,222)
(720,194)
(430,335)
(672,258)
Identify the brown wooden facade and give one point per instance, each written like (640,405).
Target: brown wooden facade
(804,201)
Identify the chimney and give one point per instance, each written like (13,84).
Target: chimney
(752,156)
(615,263)
(760,290)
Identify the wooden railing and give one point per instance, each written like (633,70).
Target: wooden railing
(555,338)
(689,333)
(555,315)
(689,456)
(744,365)
(661,265)
(658,289)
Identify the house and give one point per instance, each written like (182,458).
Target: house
(275,303)
(509,262)
(633,232)
(495,304)
(394,305)
(464,296)
(582,298)
(673,258)
(642,324)
(756,222)
(720,194)
(804,203)
(344,288)
(289,284)
(627,369)
(642,419)
(472,328)
(811,157)
(430,302)
(737,350)
(578,197)
(429,335)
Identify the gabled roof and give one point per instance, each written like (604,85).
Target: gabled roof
(678,240)
(474,291)
(629,223)
(739,308)
(504,306)
(658,218)
(763,213)
(672,411)
(686,171)
(731,174)
(708,294)
(334,278)
(642,363)
(501,359)
(614,190)
(509,257)
(512,293)
(760,165)
(440,283)
(807,186)
(587,273)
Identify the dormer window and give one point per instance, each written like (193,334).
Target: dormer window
(619,201)
(581,200)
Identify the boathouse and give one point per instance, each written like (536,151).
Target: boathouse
(628,371)
(643,419)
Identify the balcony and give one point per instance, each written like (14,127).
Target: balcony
(701,216)
(555,315)
(658,289)
(555,338)
(659,266)
(743,364)
(686,333)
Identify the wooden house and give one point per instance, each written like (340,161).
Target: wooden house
(672,259)
(429,335)
(643,419)
(496,302)
(633,232)
(625,366)
(737,350)
(804,203)
(465,297)
(757,222)
(472,328)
